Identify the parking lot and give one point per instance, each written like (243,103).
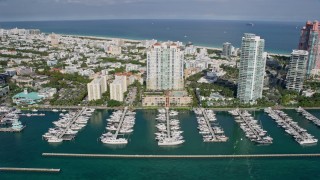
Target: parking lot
(131,96)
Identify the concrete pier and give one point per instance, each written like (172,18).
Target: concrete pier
(30,169)
(140,156)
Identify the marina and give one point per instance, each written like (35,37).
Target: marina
(68,125)
(169,133)
(279,157)
(120,123)
(250,126)
(291,127)
(309,116)
(208,126)
(9,120)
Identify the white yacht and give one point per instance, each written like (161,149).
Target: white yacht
(54,139)
(308,141)
(17,126)
(114,141)
(47,135)
(170,142)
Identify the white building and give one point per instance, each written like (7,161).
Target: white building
(297,70)
(132,67)
(227,49)
(54,39)
(190,49)
(252,68)
(52,62)
(97,87)
(165,67)
(114,50)
(118,87)
(47,92)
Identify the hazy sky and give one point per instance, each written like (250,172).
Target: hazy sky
(280,10)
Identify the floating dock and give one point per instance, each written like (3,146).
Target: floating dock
(30,169)
(140,156)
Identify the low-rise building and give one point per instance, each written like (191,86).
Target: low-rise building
(52,62)
(47,93)
(23,81)
(132,67)
(24,71)
(191,71)
(11,71)
(114,50)
(4,89)
(172,98)
(26,98)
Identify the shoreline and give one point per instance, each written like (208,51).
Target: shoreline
(140,40)
(155,108)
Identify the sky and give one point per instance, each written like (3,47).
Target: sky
(264,10)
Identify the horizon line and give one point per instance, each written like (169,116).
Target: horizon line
(194,19)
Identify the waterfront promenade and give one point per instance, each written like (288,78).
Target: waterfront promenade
(45,107)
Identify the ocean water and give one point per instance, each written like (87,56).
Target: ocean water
(24,150)
(280,37)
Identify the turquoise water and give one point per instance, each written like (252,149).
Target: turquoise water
(24,150)
(280,37)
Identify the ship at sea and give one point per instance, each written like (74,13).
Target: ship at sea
(250,24)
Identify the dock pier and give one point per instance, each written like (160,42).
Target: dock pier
(309,116)
(245,120)
(283,120)
(121,121)
(168,122)
(71,122)
(47,170)
(208,123)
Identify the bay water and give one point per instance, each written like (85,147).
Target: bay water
(24,150)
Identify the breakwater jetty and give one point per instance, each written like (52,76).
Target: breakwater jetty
(47,170)
(140,156)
